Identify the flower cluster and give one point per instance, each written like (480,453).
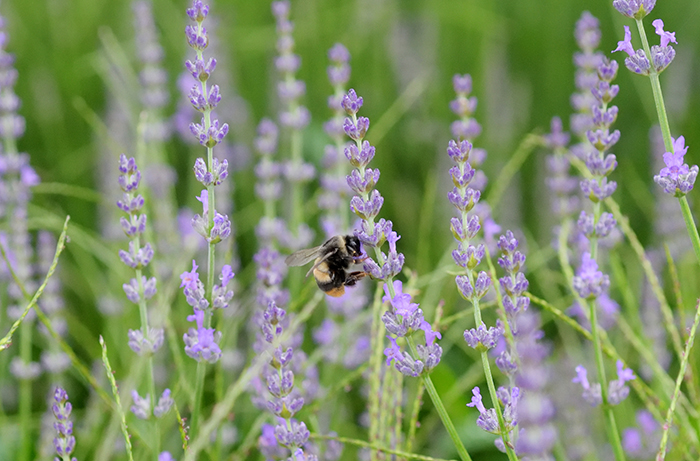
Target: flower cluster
(152,77)
(676,177)
(295,117)
(617,389)
(142,406)
(559,181)
(16,179)
(334,219)
(289,89)
(208,132)
(487,419)
(64,442)
(403,319)
(284,401)
(661,55)
(600,164)
(368,201)
(201,343)
(140,288)
(523,360)
(588,35)
(471,285)
(271,230)
(635,9)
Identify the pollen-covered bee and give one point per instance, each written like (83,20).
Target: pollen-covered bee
(331,263)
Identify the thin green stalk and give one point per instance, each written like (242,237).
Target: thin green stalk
(362,443)
(656,91)
(679,380)
(25,392)
(497,406)
(115,392)
(690,225)
(377,346)
(398,409)
(151,383)
(413,421)
(198,392)
(489,380)
(440,407)
(613,433)
(389,386)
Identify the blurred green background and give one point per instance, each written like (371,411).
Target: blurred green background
(404,54)
(519,54)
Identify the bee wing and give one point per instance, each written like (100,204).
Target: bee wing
(318,263)
(301,257)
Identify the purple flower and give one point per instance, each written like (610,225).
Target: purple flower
(635,9)
(642,442)
(133,289)
(589,282)
(142,405)
(638,63)
(487,419)
(351,102)
(482,338)
(617,390)
(626,44)
(147,345)
(201,343)
(591,393)
(64,442)
(587,31)
(676,177)
(393,352)
(666,37)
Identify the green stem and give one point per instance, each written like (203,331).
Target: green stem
(115,392)
(362,443)
(489,380)
(690,225)
(677,391)
(25,392)
(375,369)
(440,407)
(497,406)
(656,91)
(413,421)
(613,434)
(198,392)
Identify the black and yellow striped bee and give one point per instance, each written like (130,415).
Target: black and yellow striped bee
(331,263)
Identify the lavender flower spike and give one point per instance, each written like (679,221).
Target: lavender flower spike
(591,392)
(635,9)
(64,442)
(676,177)
(283,399)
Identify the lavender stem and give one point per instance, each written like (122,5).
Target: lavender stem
(440,407)
(679,380)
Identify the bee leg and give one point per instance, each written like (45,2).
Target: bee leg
(359,259)
(353,277)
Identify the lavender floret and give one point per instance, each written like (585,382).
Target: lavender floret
(64,442)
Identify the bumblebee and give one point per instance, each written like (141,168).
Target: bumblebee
(331,263)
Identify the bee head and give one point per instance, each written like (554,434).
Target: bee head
(353,246)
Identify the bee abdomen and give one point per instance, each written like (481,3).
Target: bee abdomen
(329,281)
